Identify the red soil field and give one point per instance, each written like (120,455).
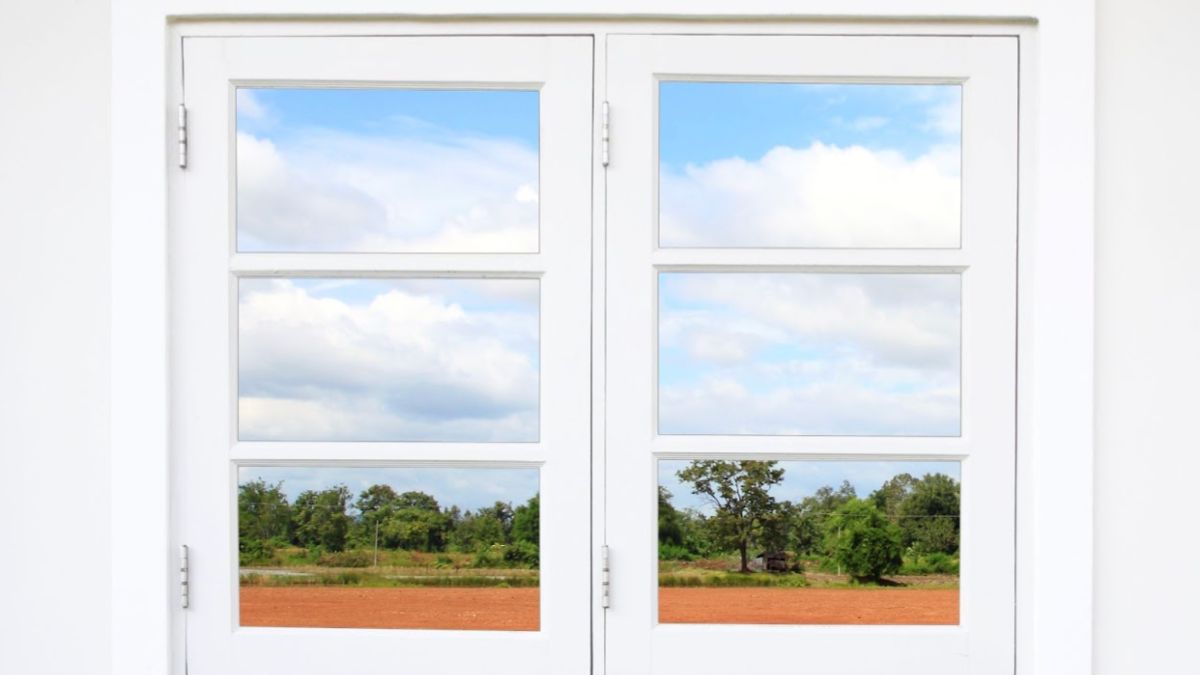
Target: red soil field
(894,606)
(517,608)
(341,607)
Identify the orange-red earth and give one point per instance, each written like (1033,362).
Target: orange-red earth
(517,608)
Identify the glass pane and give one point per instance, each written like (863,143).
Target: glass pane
(808,542)
(335,547)
(809,354)
(388,359)
(387,170)
(809,165)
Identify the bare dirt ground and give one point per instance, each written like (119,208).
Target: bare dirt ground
(517,608)
(894,606)
(341,607)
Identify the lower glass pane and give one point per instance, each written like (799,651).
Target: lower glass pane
(356,547)
(808,542)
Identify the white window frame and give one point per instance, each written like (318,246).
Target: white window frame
(1055,270)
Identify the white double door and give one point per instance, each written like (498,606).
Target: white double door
(533,239)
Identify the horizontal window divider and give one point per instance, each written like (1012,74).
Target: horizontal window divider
(825,260)
(810,447)
(376,453)
(472,265)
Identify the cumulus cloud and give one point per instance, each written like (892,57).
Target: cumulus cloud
(822,195)
(433,191)
(388,360)
(830,354)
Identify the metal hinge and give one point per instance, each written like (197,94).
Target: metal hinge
(605,578)
(184,595)
(604,135)
(183,136)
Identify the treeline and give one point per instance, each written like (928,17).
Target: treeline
(911,517)
(327,521)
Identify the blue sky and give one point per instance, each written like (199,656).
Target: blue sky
(809,165)
(285,114)
(705,121)
(803,478)
(467,488)
(387,170)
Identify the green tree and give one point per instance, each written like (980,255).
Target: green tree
(526,532)
(929,515)
(892,494)
(670,522)
(374,505)
(320,518)
(739,492)
(482,528)
(263,511)
(863,541)
(806,532)
(264,519)
(414,521)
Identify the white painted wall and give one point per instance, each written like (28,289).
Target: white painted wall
(54,344)
(54,303)
(1147,337)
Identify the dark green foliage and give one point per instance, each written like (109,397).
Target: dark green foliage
(831,530)
(319,519)
(930,515)
(740,494)
(806,533)
(863,541)
(334,534)
(264,520)
(526,521)
(670,527)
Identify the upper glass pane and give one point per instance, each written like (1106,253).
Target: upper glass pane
(388,360)
(747,164)
(809,354)
(387,170)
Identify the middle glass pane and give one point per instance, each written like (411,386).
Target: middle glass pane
(828,354)
(339,359)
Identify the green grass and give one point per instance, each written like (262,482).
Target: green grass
(698,578)
(363,579)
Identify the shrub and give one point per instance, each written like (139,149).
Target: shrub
(668,551)
(863,541)
(355,558)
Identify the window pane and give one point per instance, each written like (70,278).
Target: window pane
(809,165)
(387,170)
(809,354)
(388,359)
(825,542)
(336,547)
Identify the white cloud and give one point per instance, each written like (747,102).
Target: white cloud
(945,118)
(822,195)
(249,107)
(792,353)
(405,364)
(333,191)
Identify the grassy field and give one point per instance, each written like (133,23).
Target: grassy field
(394,569)
(807,573)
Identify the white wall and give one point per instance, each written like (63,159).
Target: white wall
(54,346)
(54,271)
(1148,337)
